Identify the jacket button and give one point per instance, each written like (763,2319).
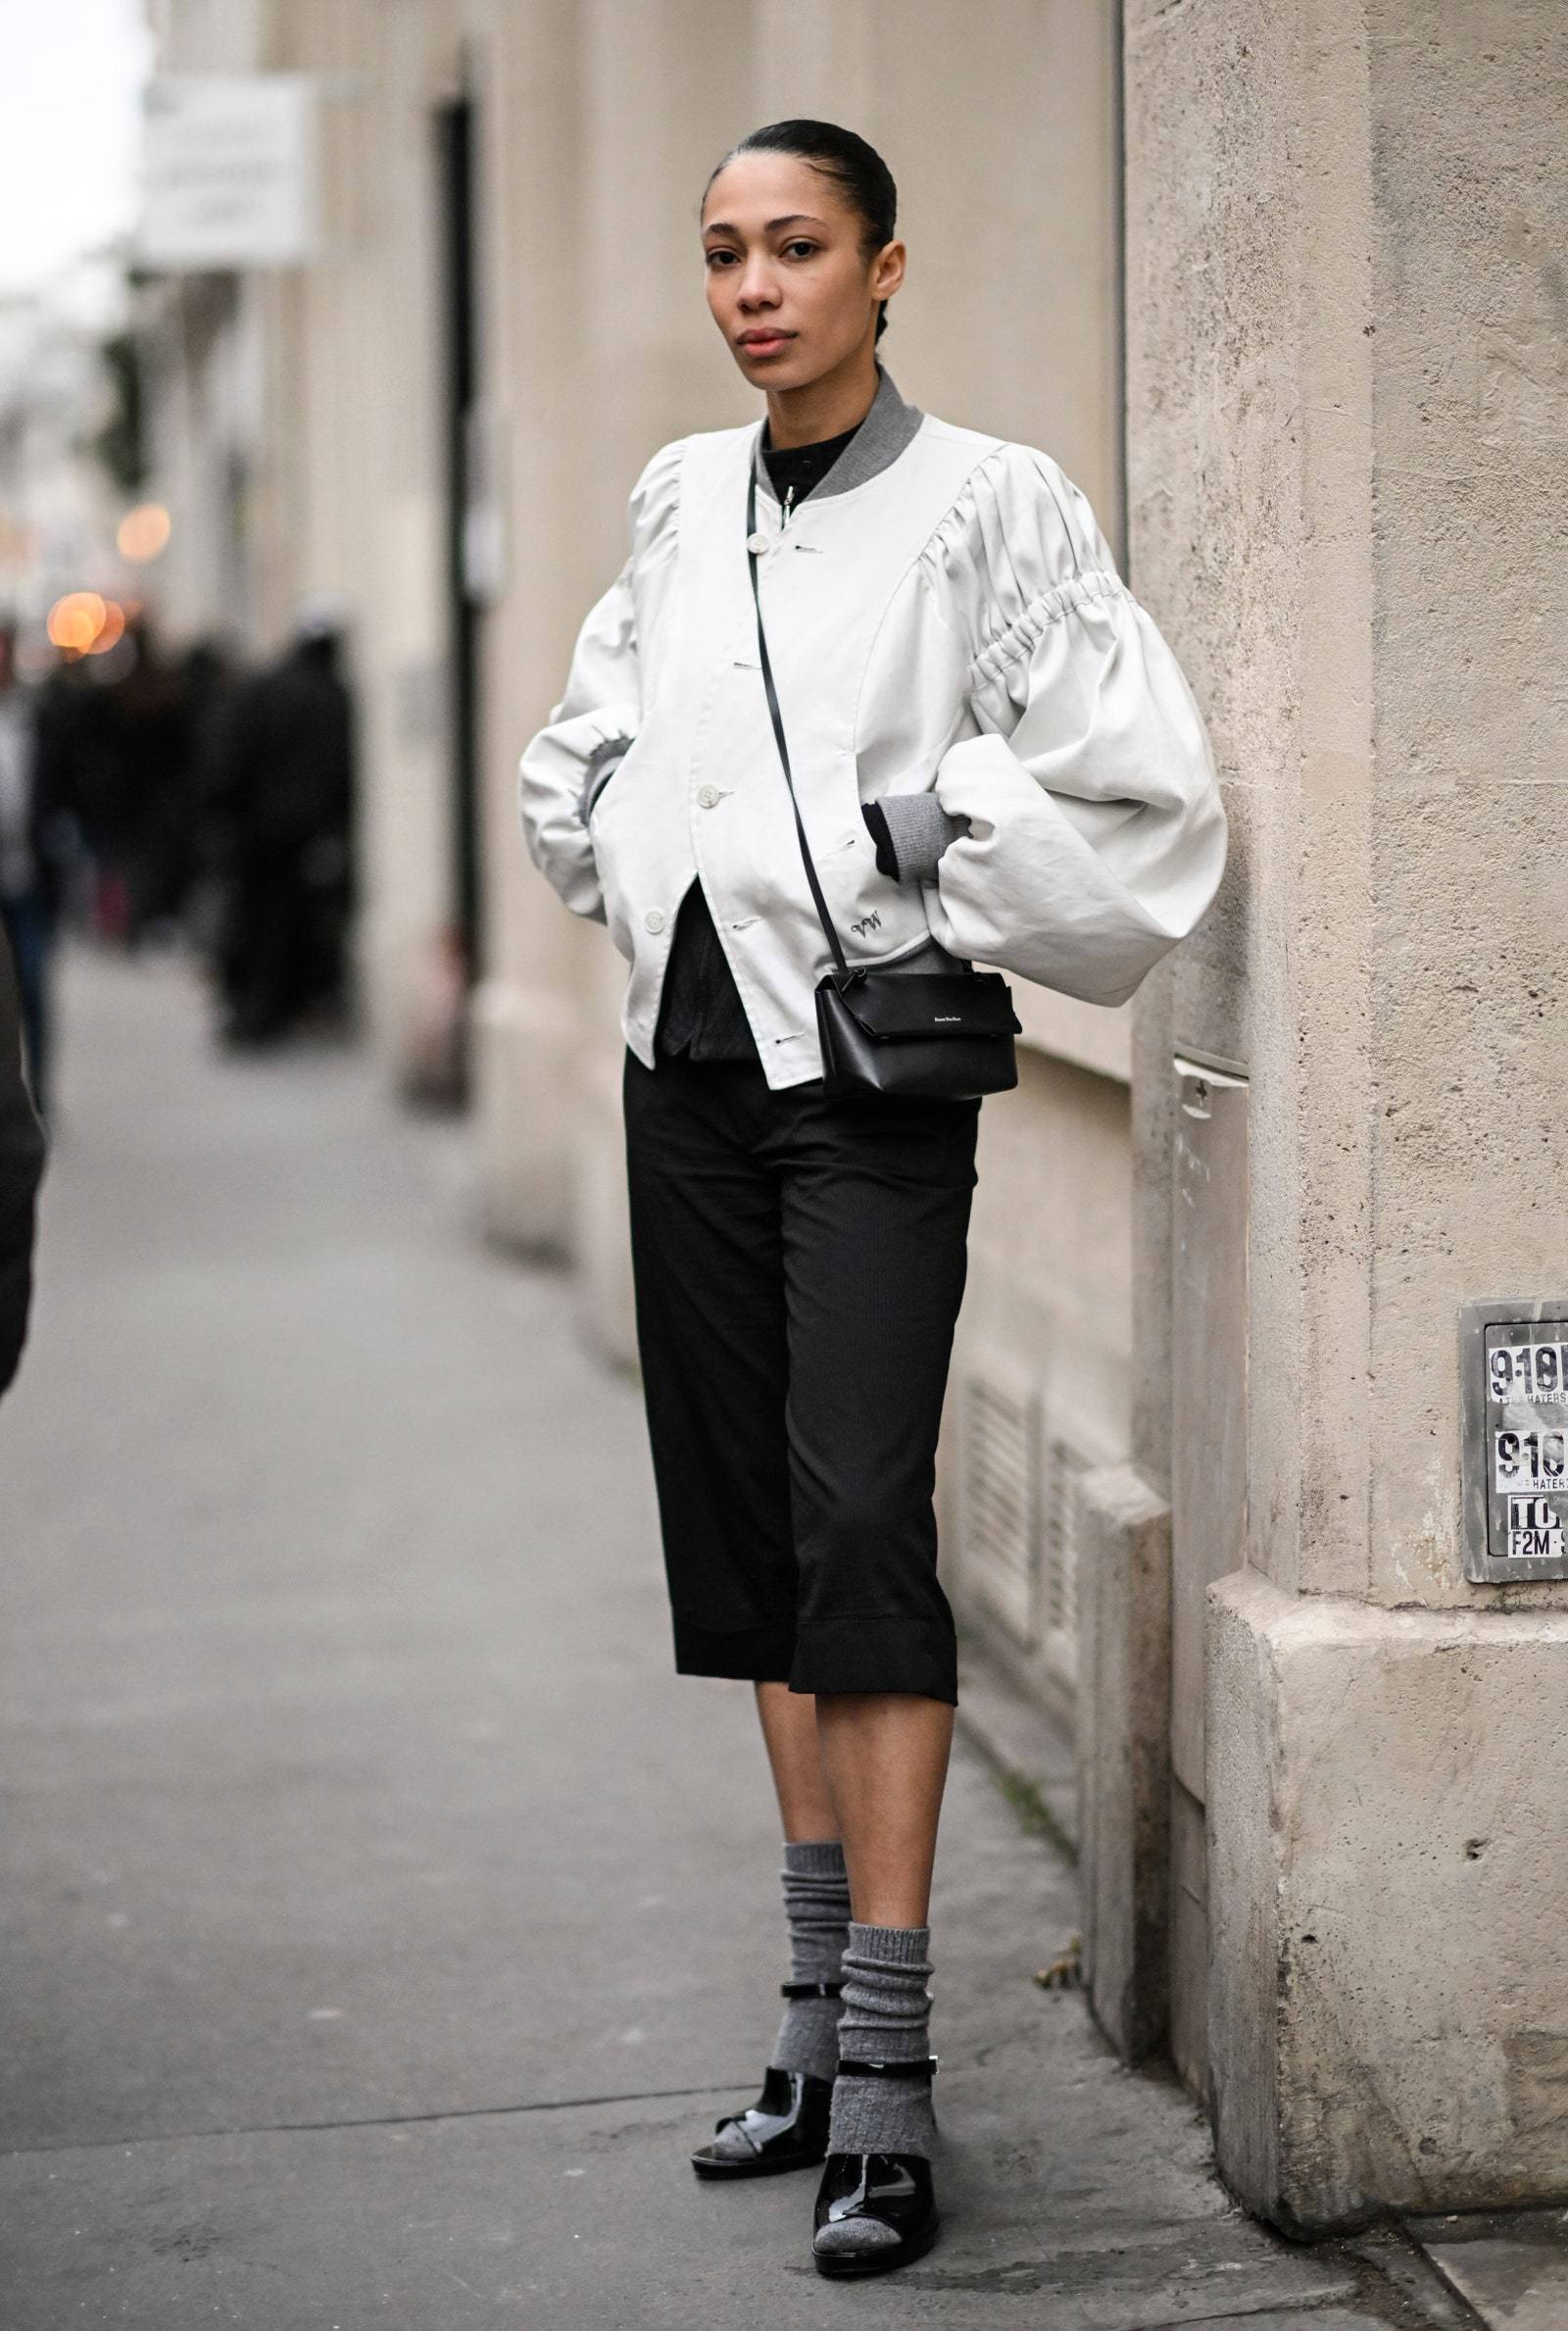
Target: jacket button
(652,920)
(757,544)
(708,796)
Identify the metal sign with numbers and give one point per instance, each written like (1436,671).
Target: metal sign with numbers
(1513,1371)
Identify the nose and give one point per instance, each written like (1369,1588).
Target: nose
(756,287)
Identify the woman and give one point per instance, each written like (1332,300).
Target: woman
(998,758)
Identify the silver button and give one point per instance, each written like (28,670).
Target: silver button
(652,920)
(757,544)
(708,796)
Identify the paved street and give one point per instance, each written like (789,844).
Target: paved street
(382,1919)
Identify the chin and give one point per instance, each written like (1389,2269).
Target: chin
(771,371)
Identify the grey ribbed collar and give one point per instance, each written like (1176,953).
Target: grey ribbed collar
(888,426)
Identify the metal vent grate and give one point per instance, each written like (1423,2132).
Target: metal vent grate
(999,1514)
(1067,1466)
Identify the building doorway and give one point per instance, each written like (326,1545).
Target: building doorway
(455,134)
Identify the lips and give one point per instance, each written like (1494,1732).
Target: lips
(761,343)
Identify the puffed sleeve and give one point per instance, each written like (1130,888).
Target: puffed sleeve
(598,713)
(1096,836)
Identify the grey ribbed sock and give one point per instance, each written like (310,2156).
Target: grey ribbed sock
(887,2011)
(817,1911)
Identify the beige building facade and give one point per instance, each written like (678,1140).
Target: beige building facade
(1275,284)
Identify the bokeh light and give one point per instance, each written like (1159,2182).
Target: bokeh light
(75,621)
(143,532)
(111,630)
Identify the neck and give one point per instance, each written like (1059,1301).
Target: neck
(826,407)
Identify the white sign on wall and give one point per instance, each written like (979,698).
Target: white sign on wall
(1514,1466)
(230,164)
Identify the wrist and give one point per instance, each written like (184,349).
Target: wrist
(910,830)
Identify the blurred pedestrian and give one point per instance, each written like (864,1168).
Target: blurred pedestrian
(142,823)
(21,1157)
(210,681)
(32,854)
(283,789)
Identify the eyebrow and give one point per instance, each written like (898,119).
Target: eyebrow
(790,219)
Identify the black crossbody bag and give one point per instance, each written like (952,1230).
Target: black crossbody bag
(927,1035)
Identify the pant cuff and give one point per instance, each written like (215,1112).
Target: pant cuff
(753,1655)
(877,1655)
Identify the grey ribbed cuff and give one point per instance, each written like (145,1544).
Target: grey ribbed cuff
(920,829)
(814,1857)
(886,2003)
(892,1946)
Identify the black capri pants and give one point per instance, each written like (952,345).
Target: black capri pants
(798,1266)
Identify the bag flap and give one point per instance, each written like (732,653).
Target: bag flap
(889,1005)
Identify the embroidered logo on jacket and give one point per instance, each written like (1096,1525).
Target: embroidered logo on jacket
(873,922)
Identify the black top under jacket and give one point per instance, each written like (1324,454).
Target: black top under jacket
(701,1012)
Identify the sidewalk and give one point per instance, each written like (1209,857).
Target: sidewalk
(383,1920)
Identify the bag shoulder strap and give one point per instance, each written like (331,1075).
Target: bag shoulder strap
(823,917)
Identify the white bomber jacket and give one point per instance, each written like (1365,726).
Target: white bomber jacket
(943,615)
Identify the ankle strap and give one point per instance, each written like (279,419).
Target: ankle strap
(809,1990)
(916,2067)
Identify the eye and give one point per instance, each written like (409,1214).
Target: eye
(801,244)
(718,253)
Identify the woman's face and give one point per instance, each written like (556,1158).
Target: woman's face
(788,284)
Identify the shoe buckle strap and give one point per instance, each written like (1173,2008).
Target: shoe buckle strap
(809,1990)
(860,2067)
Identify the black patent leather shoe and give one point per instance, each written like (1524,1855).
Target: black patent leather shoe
(896,2190)
(785,2129)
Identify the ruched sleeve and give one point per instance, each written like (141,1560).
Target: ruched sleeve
(601,706)
(1097,836)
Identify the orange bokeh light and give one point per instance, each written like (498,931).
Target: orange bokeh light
(111,632)
(75,621)
(143,532)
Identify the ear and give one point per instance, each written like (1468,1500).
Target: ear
(887,271)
